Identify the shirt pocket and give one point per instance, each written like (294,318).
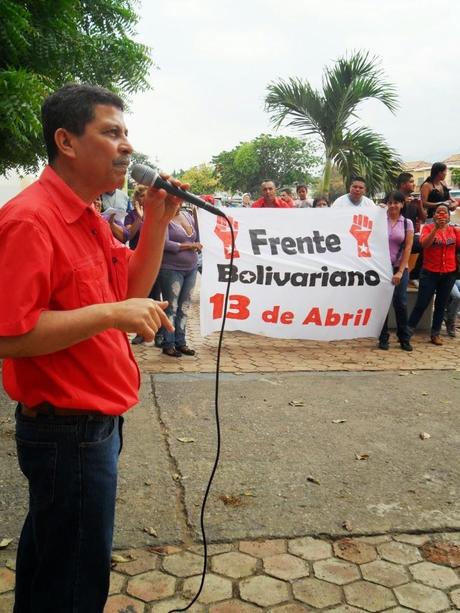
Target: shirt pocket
(92,283)
(119,263)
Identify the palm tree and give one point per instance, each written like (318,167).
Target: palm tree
(331,115)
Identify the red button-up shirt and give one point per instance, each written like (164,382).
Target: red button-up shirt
(441,255)
(278,204)
(58,254)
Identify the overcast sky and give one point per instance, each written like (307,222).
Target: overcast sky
(216,57)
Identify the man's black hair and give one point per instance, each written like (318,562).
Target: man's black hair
(300,187)
(357,178)
(71,107)
(404,177)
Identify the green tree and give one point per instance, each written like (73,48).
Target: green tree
(283,159)
(336,187)
(331,115)
(138,158)
(201,178)
(47,43)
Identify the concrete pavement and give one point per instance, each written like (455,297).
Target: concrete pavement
(321,446)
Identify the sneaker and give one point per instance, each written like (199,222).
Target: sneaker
(413,283)
(436,340)
(450,327)
(385,345)
(406,346)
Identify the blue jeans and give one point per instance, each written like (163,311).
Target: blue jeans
(64,552)
(432,283)
(453,304)
(176,288)
(400,308)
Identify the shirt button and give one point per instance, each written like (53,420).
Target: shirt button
(94,231)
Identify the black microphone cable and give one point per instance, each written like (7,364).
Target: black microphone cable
(218,436)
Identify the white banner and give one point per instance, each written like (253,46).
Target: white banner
(322,274)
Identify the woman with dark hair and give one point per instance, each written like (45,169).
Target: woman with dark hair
(400,237)
(320,203)
(177,279)
(434,190)
(133,225)
(135,217)
(440,241)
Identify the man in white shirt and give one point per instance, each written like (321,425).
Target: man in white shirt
(355,197)
(118,199)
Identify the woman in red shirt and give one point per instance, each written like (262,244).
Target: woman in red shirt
(439,242)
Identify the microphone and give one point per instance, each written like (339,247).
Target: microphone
(144,175)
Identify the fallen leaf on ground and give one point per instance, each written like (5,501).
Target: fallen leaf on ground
(151,531)
(231,501)
(424,435)
(148,482)
(184,439)
(5,542)
(176,477)
(424,393)
(249,494)
(313,480)
(347,525)
(118,559)
(339,421)
(297,403)
(361,456)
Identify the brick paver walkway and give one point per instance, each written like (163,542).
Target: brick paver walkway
(244,352)
(397,573)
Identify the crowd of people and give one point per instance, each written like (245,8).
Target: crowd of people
(179,264)
(423,244)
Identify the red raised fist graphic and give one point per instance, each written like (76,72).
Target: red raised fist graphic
(222,230)
(361,229)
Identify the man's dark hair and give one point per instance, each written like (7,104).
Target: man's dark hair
(357,178)
(300,187)
(404,177)
(71,107)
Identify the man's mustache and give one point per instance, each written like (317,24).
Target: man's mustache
(122,161)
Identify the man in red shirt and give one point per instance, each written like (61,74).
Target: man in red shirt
(69,293)
(269,199)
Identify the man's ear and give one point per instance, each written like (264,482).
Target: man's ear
(65,141)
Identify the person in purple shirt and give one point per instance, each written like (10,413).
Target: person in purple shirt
(177,278)
(400,236)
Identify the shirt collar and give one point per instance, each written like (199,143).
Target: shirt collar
(66,200)
(360,201)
